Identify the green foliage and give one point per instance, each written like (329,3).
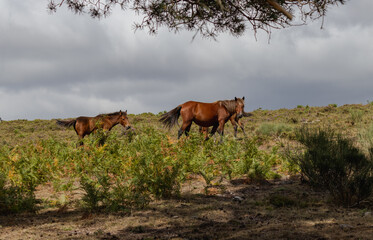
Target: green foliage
(274,129)
(115,171)
(332,105)
(255,163)
(306,109)
(99,138)
(356,115)
(21,171)
(334,163)
(154,169)
(366,138)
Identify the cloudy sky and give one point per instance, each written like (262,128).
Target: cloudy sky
(64,65)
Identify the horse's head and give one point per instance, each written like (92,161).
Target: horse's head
(240,105)
(123,119)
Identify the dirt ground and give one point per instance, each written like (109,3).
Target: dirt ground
(285,209)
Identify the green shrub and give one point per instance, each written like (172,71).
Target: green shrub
(103,176)
(15,199)
(154,167)
(223,156)
(356,115)
(20,172)
(332,105)
(255,163)
(96,192)
(366,139)
(334,163)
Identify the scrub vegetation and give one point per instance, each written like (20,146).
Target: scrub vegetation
(305,172)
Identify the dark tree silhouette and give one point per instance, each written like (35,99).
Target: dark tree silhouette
(208,17)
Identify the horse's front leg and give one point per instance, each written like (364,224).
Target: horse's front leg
(235,127)
(234,124)
(221,129)
(242,127)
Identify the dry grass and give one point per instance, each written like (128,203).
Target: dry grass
(348,119)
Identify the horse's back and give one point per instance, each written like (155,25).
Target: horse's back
(201,105)
(84,120)
(204,114)
(85,124)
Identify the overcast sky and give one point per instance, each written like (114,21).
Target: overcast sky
(64,65)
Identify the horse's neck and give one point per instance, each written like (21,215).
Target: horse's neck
(112,121)
(230,105)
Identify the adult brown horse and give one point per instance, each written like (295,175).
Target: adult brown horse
(86,125)
(214,114)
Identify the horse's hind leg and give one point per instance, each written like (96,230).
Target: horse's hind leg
(213,131)
(187,129)
(179,133)
(79,131)
(184,128)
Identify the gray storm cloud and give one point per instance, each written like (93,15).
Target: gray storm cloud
(64,65)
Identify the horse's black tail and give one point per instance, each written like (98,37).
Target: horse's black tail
(66,123)
(170,118)
(247,114)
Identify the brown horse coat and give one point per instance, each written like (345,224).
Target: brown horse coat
(234,119)
(86,125)
(214,114)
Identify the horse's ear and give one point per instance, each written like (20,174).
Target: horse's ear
(125,112)
(243,98)
(120,112)
(235,98)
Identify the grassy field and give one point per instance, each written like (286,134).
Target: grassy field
(146,184)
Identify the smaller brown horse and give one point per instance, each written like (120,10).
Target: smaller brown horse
(86,125)
(214,114)
(236,122)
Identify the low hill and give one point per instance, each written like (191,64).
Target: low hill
(146,184)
